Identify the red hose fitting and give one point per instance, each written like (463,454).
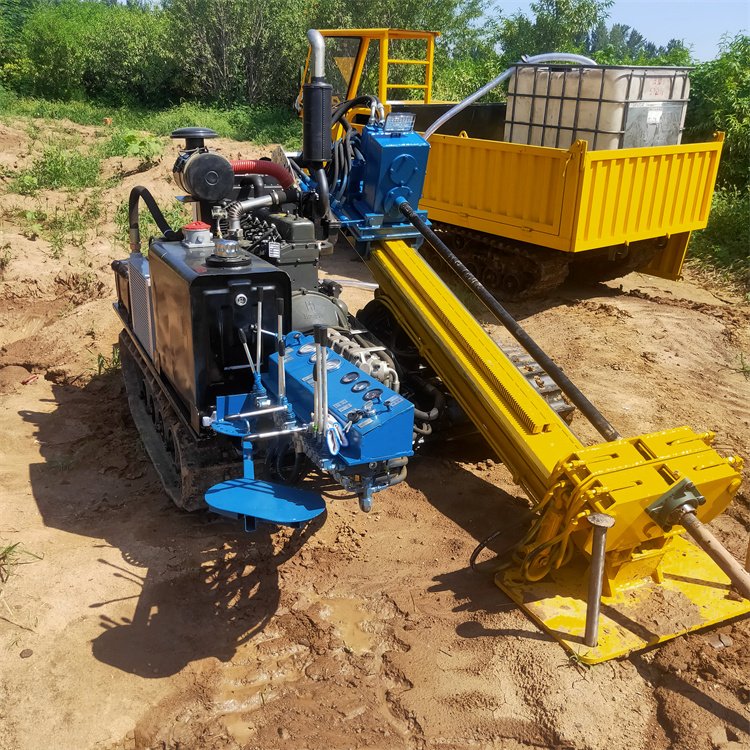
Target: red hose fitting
(261,166)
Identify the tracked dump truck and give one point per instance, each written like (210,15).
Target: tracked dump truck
(580,172)
(244,373)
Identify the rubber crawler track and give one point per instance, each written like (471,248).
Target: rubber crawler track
(186,466)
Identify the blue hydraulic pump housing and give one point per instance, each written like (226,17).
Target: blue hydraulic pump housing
(393,167)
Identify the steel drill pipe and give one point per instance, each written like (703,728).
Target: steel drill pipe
(715,550)
(597,419)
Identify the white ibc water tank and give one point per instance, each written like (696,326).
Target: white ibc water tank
(610,107)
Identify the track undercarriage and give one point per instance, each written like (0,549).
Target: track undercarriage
(515,270)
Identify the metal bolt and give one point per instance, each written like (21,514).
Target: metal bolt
(600,522)
(240,300)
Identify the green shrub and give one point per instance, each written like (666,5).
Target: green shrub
(146,147)
(720,100)
(113,53)
(725,242)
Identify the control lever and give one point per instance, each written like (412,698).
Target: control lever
(258,332)
(324,378)
(317,381)
(280,347)
(243,340)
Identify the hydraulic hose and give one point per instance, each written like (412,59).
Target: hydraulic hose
(479,93)
(597,419)
(263,166)
(438,403)
(256,181)
(359,101)
(137,193)
(324,203)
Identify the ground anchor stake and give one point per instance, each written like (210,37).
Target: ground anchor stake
(600,522)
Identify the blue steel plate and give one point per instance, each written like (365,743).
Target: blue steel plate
(266,501)
(233,428)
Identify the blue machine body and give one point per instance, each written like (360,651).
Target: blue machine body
(376,424)
(393,166)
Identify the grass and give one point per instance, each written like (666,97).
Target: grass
(744,368)
(12,555)
(175,213)
(65,463)
(61,226)
(262,125)
(5,257)
(60,165)
(105,365)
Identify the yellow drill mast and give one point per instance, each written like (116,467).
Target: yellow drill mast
(656,585)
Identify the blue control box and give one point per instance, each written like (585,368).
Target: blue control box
(380,421)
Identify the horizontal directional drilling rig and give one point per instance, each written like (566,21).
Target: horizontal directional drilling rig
(244,372)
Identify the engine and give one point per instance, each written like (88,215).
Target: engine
(240,358)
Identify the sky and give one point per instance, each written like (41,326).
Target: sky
(700,23)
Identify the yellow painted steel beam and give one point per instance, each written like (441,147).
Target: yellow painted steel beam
(383,69)
(430,68)
(648,569)
(515,420)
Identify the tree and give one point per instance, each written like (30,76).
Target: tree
(557,26)
(720,100)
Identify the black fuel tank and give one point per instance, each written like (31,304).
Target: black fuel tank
(198,309)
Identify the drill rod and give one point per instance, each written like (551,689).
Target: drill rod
(715,550)
(597,419)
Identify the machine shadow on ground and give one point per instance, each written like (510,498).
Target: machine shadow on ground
(209,587)
(672,682)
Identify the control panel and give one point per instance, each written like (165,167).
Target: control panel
(377,423)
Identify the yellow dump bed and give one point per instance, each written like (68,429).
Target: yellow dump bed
(574,200)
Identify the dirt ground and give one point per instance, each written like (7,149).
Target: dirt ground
(128,624)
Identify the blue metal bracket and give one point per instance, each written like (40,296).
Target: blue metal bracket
(254,500)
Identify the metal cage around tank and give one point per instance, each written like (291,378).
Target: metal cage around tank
(561,106)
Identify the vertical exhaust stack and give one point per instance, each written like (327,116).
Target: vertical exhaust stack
(316,121)
(316,103)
